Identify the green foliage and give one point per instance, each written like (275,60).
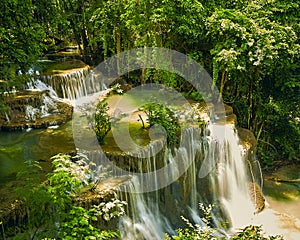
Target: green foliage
(196,231)
(35,197)
(80,224)
(163,77)
(254,233)
(195,96)
(21,36)
(50,208)
(64,181)
(255,54)
(102,121)
(116,88)
(160,115)
(122,25)
(204,232)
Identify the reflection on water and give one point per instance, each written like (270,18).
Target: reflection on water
(36,145)
(280,190)
(284,196)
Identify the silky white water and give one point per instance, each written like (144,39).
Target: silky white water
(74,84)
(217,175)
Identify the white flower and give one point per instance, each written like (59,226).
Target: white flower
(250,43)
(110,205)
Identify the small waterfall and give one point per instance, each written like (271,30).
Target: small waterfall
(34,109)
(41,110)
(73,84)
(38,85)
(7,118)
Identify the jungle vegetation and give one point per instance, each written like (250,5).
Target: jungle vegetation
(250,48)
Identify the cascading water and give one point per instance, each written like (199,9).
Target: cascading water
(214,163)
(38,85)
(73,84)
(229,177)
(43,110)
(218,175)
(215,172)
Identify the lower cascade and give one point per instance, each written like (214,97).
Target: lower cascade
(34,109)
(218,175)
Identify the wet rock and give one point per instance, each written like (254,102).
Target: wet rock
(34,109)
(101,191)
(256,196)
(247,139)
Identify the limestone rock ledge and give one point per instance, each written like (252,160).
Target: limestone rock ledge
(34,109)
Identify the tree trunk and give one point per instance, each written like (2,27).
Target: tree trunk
(118,48)
(250,106)
(222,85)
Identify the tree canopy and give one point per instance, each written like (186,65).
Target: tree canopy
(250,47)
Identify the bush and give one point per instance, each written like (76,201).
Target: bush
(160,115)
(254,233)
(205,231)
(102,121)
(51,212)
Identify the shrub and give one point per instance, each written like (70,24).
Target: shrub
(51,212)
(205,231)
(102,121)
(160,115)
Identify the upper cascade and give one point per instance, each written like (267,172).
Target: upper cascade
(73,83)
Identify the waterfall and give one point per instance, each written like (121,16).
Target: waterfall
(38,85)
(40,110)
(212,160)
(73,84)
(218,175)
(229,177)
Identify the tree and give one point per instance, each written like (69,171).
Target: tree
(250,47)
(21,37)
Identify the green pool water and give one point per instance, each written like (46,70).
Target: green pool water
(16,148)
